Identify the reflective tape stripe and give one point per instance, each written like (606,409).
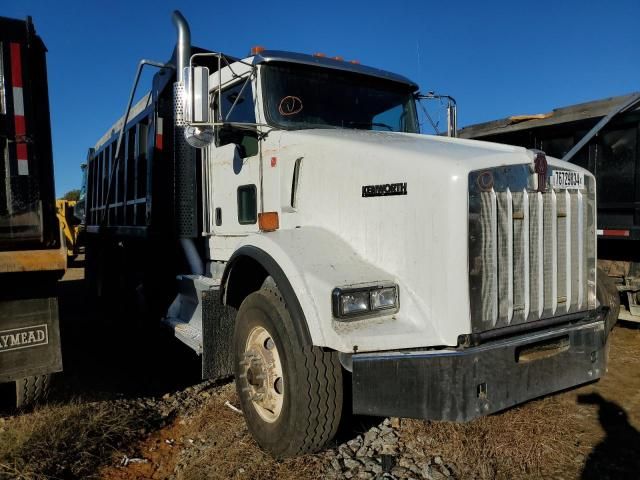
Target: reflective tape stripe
(18,102)
(614,233)
(23,167)
(22,152)
(16,65)
(159,133)
(21,128)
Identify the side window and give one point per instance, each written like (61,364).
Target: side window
(247,205)
(237,106)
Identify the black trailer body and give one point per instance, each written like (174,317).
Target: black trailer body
(31,252)
(612,155)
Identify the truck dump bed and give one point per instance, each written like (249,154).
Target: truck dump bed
(31,255)
(27,203)
(613,155)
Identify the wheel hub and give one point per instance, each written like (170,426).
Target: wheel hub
(263,371)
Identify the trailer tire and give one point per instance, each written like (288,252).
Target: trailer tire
(32,390)
(607,294)
(302,414)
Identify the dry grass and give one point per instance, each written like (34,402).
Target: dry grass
(535,440)
(231,453)
(67,441)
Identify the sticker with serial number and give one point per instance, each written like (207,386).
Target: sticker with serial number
(567,180)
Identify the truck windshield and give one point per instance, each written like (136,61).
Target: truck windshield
(299,96)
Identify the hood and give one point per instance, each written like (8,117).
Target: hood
(416,230)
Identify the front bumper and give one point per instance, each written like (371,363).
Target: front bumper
(460,385)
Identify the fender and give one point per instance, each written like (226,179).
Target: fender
(274,270)
(307,263)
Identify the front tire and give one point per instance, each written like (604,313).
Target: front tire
(290,392)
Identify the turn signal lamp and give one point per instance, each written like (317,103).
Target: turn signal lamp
(255,50)
(268,221)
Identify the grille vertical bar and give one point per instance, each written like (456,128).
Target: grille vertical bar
(526,239)
(505,257)
(550,256)
(520,257)
(568,229)
(580,263)
(536,255)
(509,225)
(494,257)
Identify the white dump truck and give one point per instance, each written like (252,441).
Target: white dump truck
(284,216)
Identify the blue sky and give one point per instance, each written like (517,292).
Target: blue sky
(496,58)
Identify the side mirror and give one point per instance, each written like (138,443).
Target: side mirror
(196,107)
(196,94)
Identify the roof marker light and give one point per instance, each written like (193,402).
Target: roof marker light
(355,62)
(319,54)
(338,57)
(256,49)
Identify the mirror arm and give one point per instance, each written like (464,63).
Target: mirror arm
(452,111)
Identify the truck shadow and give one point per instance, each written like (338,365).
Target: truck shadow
(618,455)
(112,351)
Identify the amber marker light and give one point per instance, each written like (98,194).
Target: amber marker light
(268,221)
(319,54)
(255,50)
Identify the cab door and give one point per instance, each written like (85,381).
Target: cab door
(234,164)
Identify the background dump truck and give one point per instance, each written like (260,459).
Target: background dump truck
(285,217)
(602,136)
(32,256)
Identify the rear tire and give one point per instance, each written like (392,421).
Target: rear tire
(607,294)
(32,390)
(290,392)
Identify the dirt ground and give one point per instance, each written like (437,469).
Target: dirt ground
(113,360)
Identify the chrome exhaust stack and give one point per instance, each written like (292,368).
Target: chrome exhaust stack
(184,156)
(183,45)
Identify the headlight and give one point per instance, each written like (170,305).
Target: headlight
(354,302)
(367,300)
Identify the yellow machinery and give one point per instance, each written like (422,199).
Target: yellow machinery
(69,225)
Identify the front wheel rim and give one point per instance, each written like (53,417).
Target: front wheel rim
(262,370)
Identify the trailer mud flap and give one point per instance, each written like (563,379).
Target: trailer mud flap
(29,338)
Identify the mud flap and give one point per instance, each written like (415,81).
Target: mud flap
(217,335)
(29,338)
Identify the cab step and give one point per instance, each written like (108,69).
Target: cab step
(200,320)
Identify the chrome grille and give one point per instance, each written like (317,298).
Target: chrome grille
(531,254)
